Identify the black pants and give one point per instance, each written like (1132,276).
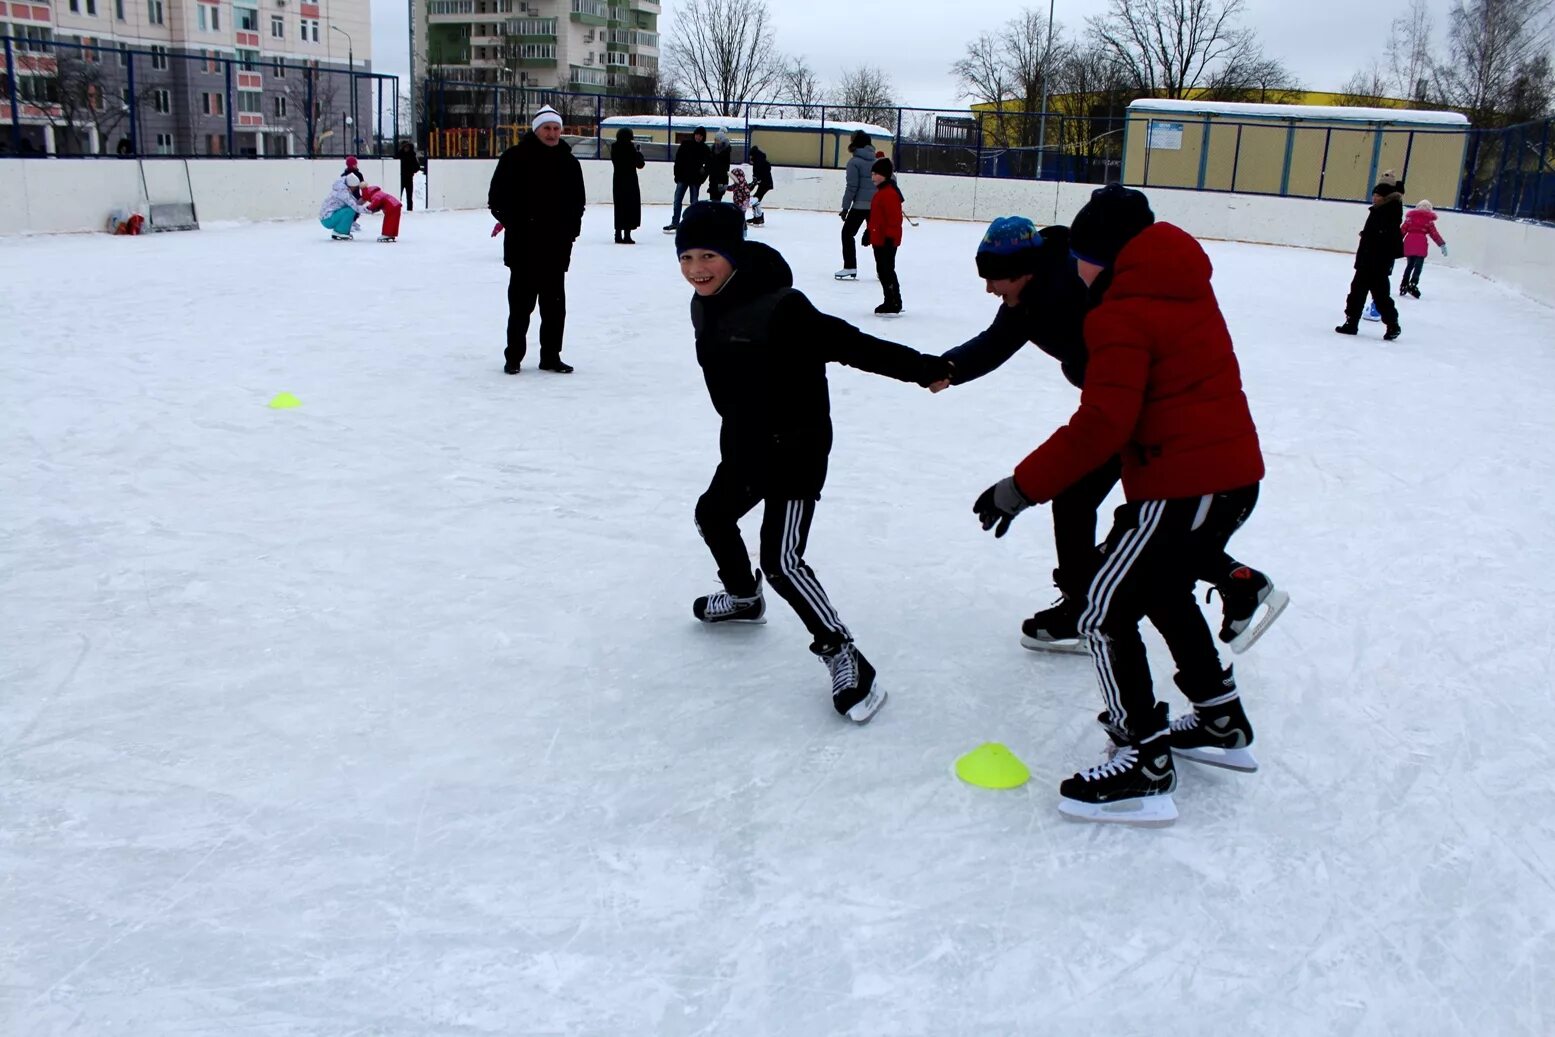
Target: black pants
(715,192)
(1371,280)
(885,269)
(527,285)
(785,528)
(1412,267)
(850,228)
(1147,572)
(408,190)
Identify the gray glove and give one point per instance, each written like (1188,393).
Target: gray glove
(999,504)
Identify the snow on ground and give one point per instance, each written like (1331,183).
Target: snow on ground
(387,715)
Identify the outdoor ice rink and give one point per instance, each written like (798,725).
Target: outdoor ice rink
(387,715)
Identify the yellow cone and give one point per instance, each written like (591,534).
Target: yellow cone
(992,766)
(285,401)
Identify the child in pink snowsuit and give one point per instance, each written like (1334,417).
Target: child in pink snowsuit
(740,192)
(1419,224)
(378,200)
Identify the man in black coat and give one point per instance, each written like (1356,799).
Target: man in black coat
(1382,242)
(690,170)
(409,166)
(537,195)
(626,158)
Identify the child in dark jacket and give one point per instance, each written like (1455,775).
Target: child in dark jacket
(1381,243)
(885,233)
(1163,389)
(763,349)
(761,173)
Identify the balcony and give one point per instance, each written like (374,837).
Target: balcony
(591,12)
(538,29)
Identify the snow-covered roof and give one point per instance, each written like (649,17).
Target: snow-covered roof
(739,122)
(1306,112)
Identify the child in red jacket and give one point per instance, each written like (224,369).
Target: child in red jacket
(378,200)
(1163,389)
(885,233)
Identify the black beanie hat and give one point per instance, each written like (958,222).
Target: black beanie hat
(860,140)
(883,167)
(1110,220)
(716,226)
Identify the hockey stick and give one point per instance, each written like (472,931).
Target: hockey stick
(909,219)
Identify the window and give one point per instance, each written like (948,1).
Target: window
(162,101)
(248,19)
(75,6)
(118,9)
(310,25)
(280,107)
(124,95)
(91,8)
(158,57)
(216,19)
(154,14)
(215,143)
(248,60)
(164,144)
(202,20)
(277,27)
(124,55)
(251,101)
(280,69)
(212,104)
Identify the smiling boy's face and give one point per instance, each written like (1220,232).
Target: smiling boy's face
(706,270)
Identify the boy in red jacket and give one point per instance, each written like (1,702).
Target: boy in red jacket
(1162,387)
(885,233)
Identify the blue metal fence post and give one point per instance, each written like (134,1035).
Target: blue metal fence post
(820,159)
(1204,136)
(310,73)
(228,70)
(1376,158)
(1236,155)
(1149,132)
(1322,173)
(1409,149)
(977,128)
(16,105)
(1495,191)
(1290,148)
(599,126)
(496,115)
(896,148)
(134,104)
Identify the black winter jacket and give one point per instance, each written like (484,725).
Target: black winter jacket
(1051,314)
(1382,239)
(718,158)
(761,168)
(764,349)
(537,194)
(691,162)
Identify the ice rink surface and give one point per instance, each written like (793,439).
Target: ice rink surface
(387,715)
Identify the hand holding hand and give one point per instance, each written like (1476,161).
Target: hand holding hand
(940,386)
(936,370)
(998,505)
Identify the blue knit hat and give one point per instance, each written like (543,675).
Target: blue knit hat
(716,226)
(1010,247)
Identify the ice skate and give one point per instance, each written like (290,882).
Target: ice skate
(1218,735)
(510,369)
(1393,332)
(890,308)
(847,273)
(1370,313)
(556,365)
(723,607)
(1241,596)
(759,221)
(1055,629)
(671,228)
(854,693)
(1349,327)
(340,237)
(386,239)
(1132,785)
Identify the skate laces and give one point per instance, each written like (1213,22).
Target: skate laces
(844,669)
(722,603)
(1118,760)
(1189,721)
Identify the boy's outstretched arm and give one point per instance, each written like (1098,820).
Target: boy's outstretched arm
(835,340)
(989,349)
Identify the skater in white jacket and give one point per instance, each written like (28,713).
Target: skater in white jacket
(342,207)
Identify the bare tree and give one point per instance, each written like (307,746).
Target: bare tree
(982,73)
(724,50)
(865,95)
(80,93)
(1251,75)
(1497,70)
(1171,48)
(1409,53)
(1367,88)
(1011,69)
(799,84)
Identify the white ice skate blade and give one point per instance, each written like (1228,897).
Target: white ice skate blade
(868,706)
(888,316)
(341,237)
(844,277)
(1075,647)
(1231,759)
(1273,605)
(1144,811)
(386,240)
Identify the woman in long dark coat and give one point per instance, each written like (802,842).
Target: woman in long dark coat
(626,159)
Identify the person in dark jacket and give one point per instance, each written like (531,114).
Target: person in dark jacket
(858,192)
(626,158)
(409,164)
(1044,302)
(1382,242)
(885,234)
(537,196)
(1163,389)
(718,166)
(690,171)
(763,349)
(761,172)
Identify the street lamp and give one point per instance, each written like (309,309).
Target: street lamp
(351,62)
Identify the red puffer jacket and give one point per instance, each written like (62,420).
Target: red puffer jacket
(885,215)
(1162,385)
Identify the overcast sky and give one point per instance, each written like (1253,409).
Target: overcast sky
(915,41)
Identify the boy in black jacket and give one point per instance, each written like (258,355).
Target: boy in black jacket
(1382,241)
(763,349)
(761,172)
(690,171)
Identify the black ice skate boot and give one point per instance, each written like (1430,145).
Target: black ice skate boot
(1241,596)
(1055,629)
(1133,785)
(854,693)
(1217,731)
(723,607)
(1349,327)
(1393,332)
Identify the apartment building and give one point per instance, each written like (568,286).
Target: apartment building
(578,46)
(188,77)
